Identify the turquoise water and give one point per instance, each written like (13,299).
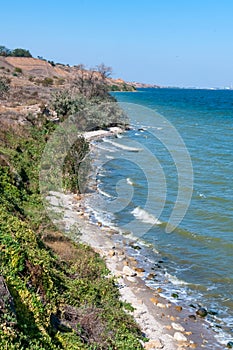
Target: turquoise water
(198,255)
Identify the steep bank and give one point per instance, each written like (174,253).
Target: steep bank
(54,293)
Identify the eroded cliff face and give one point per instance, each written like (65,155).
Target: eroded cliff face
(32,82)
(35,68)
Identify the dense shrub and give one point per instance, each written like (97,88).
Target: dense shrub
(90,114)
(4,86)
(20,53)
(18,70)
(47,81)
(4,51)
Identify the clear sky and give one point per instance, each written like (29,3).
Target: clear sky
(166,42)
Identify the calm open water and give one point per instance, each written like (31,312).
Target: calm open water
(198,254)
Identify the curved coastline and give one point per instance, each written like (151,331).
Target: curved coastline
(166,324)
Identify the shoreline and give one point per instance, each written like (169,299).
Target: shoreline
(166,325)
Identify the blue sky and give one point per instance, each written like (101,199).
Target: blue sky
(166,42)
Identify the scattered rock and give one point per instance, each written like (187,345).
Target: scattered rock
(154,300)
(158,266)
(178,327)
(154,344)
(133,261)
(128,271)
(121,252)
(151,276)
(111,253)
(230,345)
(168,327)
(178,308)
(179,336)
(162,306)
(77,197)
(139,269)
(188,333)
(132,279)
(159,290)
(175,295)
(202,312)
(136,247)
(122,258)
(192,317)
(213,313)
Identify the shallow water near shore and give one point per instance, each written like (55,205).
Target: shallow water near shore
(195,260)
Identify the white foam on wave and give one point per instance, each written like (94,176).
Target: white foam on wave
(119,136)
(105,194)
(145,217)
(126,148)
(104,148)
(129,181)
(176,281)
(201,195)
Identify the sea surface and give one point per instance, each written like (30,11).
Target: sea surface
(139,176)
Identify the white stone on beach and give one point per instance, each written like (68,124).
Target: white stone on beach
(154,344)
(179,337)
(132,279)
(178,327)
(162,306)
(128,271)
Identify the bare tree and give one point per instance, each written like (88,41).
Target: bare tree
(104,71)
(92,83)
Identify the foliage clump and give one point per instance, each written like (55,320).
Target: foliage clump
(60,297)
(18,70)
(18,52)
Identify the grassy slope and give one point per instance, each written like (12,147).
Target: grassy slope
(61,296)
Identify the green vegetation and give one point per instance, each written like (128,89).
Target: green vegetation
(47,81)
(59,296)
(4,51)
(52,63)
(18,70)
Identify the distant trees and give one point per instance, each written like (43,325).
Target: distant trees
(20,53)
(4,51)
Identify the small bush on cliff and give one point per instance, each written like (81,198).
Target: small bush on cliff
(4,86)
(47,81)
(18,70)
